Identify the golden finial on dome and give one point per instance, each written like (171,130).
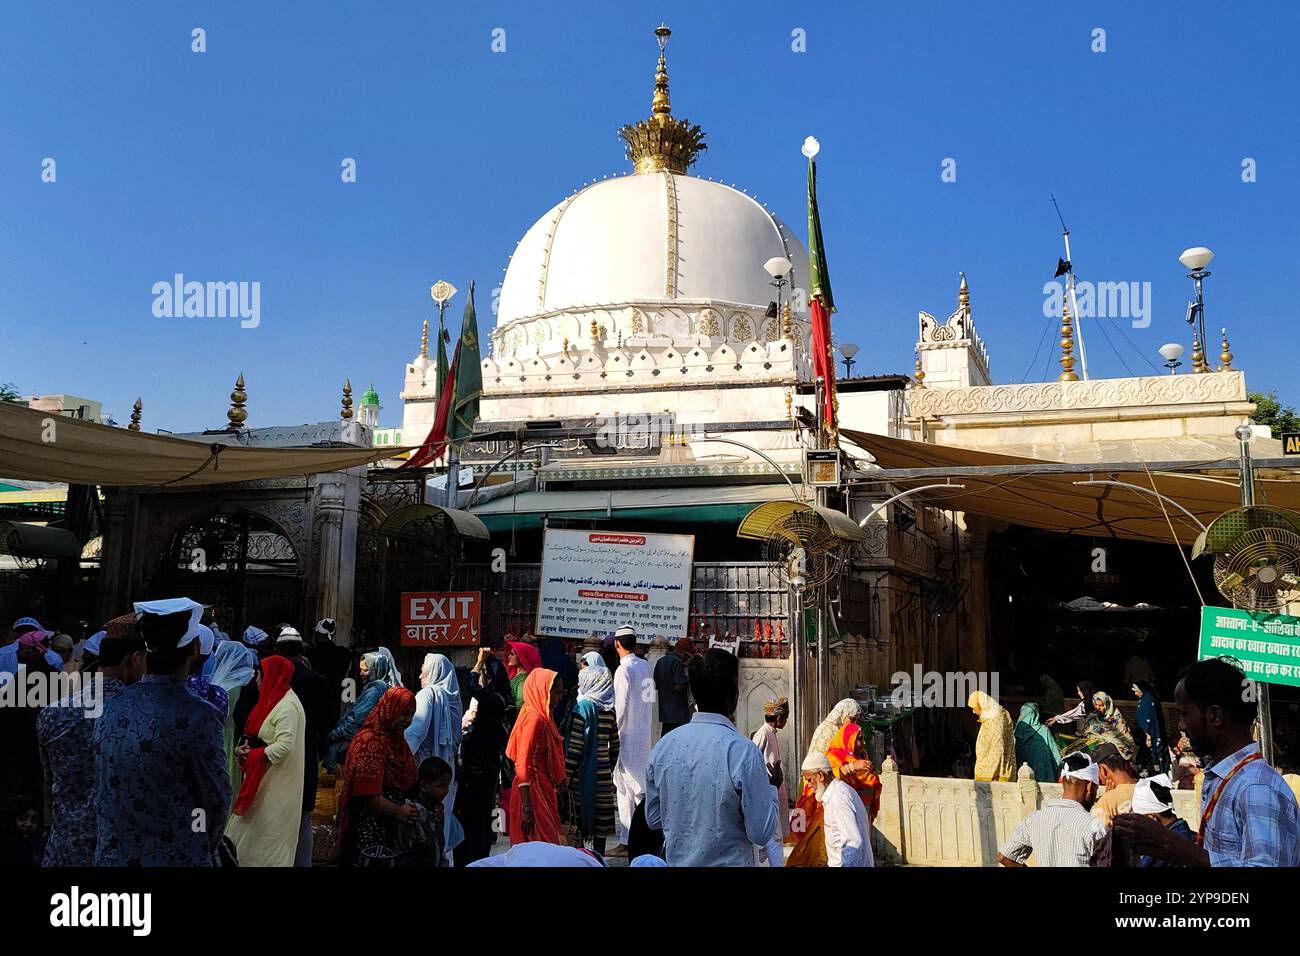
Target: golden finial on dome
(787,329)
(662,143)
(919,374)
(346,411)
(1198,354)
(1226,355)
(135,416)
(595,331)
(1067,346)
(238,414)
(963,294)
(424,340)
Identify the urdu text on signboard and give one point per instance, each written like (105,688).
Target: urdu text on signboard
(593,582)
(1267,645)
(440,618)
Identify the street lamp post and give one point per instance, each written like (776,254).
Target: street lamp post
(848,350)
(779,268)
(1196,259)
(1171,352)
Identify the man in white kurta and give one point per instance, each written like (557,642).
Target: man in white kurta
(634,709)
(775,715)
(844,819)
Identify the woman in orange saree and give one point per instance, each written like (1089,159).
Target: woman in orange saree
(848,756)
(537,750)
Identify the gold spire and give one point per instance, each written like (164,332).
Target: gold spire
(662,143)
(424,340)
(963,294)
(595,331)
(919,374)
(1198,354)
(135,416)
(1226,355)
(346,411)
(787,330)
(238,414)
(1067,346)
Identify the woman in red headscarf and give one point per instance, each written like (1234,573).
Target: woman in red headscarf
(267,814)
(848,756)
(379,769)
(538,753)
(521,660)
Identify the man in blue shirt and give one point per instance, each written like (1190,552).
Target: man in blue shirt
(162,793)
(707,787)
(1249,816)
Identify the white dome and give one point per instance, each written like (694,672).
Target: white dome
(610,245)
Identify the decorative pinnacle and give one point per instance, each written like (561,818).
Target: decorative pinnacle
(787,330)
(919,375)
(1067,346)
(346,411)
(1226,355)
(238,414)
(963,294)
(424,340)
(135,416)
(662,143)
(1198,355)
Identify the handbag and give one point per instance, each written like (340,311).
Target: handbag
(570,807)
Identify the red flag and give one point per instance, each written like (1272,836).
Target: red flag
(436,443)
(823,366)
(821,302)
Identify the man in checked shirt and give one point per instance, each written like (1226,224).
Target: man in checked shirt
(1249,816)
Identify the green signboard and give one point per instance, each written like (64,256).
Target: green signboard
(1267,645)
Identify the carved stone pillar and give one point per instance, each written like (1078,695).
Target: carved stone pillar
(888,827)
(335,563)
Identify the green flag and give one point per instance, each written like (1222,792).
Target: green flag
(442,351)
(469,379)
(819,279)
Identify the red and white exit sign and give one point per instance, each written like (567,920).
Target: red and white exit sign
(441,618)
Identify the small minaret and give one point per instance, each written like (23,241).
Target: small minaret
(1067,346)
(368,411)
(951,354)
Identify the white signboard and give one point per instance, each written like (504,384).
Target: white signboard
(594,582)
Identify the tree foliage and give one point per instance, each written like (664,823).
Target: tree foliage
(1271,412)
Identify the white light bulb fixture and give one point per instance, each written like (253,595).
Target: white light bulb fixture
(811,147)
(1196,258)
(778,266)
(1171,351)
(848,350)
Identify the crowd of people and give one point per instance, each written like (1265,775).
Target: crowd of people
(182,746)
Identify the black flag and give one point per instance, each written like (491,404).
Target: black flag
(1062,267)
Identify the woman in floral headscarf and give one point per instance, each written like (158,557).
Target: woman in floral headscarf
(379,769)
(848,756)
(537,751)
(1106,725)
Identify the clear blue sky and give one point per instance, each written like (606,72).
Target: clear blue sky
(226,165)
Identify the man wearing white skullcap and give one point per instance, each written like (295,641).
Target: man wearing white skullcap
(634,708)
(844,818)
(1063,832)
(1153,797)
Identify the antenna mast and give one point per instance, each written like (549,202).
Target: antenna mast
(1069,286)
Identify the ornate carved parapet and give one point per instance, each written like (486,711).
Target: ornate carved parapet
(1226,388)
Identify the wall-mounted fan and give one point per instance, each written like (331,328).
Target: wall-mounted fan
(1256,556)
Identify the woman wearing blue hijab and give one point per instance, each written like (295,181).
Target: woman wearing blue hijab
(1151,727)
(592,751)
(377,676)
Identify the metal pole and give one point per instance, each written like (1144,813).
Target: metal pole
(797,642)
(1248,500)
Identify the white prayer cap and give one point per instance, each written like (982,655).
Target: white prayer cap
(288,634)
(1146,799)
(325,625)
(1087,771)
(254,635)
(626,629)
(165,608)
(92,643)
(816,760)
(648,859)
(207,640)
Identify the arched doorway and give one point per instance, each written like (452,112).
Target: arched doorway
(239,562)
